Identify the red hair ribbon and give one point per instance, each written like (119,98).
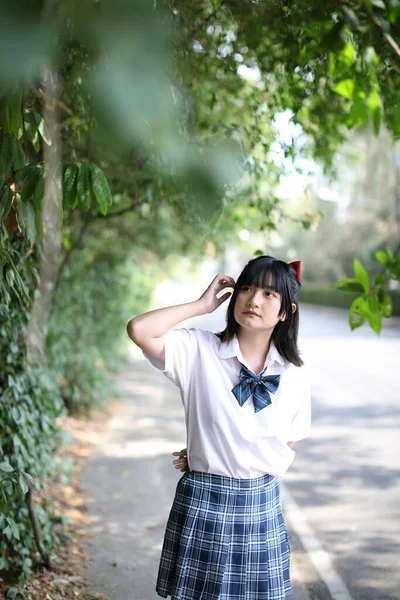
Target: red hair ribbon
(296,265)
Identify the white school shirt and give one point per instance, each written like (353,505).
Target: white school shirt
(223,437)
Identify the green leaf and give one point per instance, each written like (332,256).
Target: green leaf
(6,152)
(394,269)
(18,156)
(331,63)
(351,15)
(374,103)
(14,102)
(13,527)
(376,120)
(6,197)
(28,477)
(394,11)
(42,128)
(374,313)
(84,186)
(357,312)
(6,467)
(70,184)
(358,113)
(374,99)
(379,279)
(349,285)
(347,54)
(36,144)
(34,174)
(370,56)
(100,187)
(361,275)
(345,88)
(385,302)
(8,533)
(381,257)
(378,3)
(37,198)
(30,126)
(26,219)
(23,485)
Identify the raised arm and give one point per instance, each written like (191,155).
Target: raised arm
(148,330)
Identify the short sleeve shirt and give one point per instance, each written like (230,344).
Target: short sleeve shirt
(223,437)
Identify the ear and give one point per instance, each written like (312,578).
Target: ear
(294,308)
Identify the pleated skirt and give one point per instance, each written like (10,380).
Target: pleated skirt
(226,539)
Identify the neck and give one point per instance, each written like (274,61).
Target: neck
(254,343)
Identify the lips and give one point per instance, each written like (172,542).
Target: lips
(250,312)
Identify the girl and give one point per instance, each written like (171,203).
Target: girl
(246,397)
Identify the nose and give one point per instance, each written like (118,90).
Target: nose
(253,300)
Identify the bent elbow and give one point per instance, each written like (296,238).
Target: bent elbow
(131,329)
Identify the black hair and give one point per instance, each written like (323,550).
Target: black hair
(266,271)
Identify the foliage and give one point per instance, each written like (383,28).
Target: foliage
(89,323)
(335,65)
(374,302)
(29,408)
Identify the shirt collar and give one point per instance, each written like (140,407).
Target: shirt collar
(232,349)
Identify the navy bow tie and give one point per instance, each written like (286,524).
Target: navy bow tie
(258,385)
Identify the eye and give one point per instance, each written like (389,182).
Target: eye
(269,293)
(244,288)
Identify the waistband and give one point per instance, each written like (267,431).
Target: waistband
(225,482)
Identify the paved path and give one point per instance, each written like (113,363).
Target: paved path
(344,478)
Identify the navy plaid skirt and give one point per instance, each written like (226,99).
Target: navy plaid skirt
(226,539)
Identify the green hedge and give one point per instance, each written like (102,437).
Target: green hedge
(332,297)
(29,438)
(99,293)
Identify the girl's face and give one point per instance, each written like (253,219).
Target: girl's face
(257,308)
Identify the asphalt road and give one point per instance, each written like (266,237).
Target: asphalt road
(345,477)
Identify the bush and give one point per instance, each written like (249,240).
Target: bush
(30,405)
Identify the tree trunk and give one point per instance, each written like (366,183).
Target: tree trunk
(51,223)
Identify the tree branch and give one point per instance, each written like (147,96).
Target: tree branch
(386,35)
(65,260)
(36,530)
(42,96)
(118,213)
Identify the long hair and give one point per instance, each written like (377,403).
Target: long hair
(264,271)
